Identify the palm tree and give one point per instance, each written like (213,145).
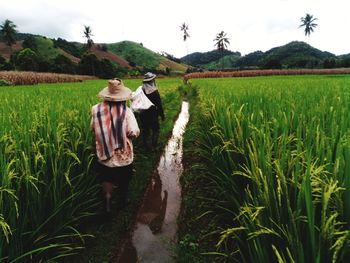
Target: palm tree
(88,34)
(8,30)
(89,44)
(308,23)
(221,44)
(186,35)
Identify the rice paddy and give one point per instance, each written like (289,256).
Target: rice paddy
(276,153)
(272,162)
(47,183)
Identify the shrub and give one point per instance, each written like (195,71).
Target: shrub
(4,83)
(28,60)
(89,64)
(62,64)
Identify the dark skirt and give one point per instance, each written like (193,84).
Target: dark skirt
(149,119)
(115,175)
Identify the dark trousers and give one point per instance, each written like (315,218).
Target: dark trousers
(149,124)
(120,176)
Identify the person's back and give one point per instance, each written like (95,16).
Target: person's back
(114,126)
(150,118)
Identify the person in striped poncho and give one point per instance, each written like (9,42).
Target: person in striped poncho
(114,126)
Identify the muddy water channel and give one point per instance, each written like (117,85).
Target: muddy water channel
(155,233)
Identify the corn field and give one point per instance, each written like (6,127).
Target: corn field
(266,72)
(48,187)
(29,78)
(278,156)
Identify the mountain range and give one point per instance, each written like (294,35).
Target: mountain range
(130,58)
(295,54)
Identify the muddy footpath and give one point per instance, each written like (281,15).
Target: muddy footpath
(154,235)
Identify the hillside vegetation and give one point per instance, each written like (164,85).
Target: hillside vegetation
(136,54)
(39,53)
(127,58)
(295,54)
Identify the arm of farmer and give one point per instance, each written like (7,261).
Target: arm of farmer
(132,128)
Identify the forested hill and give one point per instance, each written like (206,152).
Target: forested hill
(295,54)
(126,58)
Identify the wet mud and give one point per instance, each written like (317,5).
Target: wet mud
(154,235)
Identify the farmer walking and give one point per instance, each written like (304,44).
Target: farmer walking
(114,126)
(149,119)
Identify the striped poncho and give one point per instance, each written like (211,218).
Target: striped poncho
(109,126)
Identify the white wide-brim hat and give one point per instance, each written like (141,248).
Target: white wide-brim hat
(149,76)
(115,91)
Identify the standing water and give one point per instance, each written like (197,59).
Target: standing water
(155,233)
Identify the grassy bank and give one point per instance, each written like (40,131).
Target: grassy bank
(197,233)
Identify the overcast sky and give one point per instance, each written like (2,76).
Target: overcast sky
(250,25)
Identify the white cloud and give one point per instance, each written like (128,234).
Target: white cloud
(251,24)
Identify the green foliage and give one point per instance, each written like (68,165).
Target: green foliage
(28,60)
(62,64)
(227,62)
(109,234)
(48,188)
(108,69)
(2,60)
(8,32)
(102,47)
(5,65)
(194,233)
(19,36)
(30,42)
(171,57)
(276,152)
(91,65)
(250,60)
(45,48)
(309,23)
(4,83)
(296,55)
(292,55)
(45,158)
(136,54)
(70,47)
(344,61)
(200,59)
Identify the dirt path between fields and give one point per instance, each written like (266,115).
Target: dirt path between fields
(154,235)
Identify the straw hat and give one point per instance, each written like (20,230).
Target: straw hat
(149,76)
(116,91)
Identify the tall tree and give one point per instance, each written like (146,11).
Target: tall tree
(186,35)
(88,34)
(89,43)
(221,42)
(8,30)
(309,23)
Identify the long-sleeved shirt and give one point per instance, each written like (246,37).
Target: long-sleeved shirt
(154,97)
(123,156)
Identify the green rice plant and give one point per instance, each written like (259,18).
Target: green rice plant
(277,154)
(48,187)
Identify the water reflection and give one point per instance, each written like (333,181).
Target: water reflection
(155,231)
(152,212)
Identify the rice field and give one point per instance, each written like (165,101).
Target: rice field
(47,183)
(277,167)
(276,152)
